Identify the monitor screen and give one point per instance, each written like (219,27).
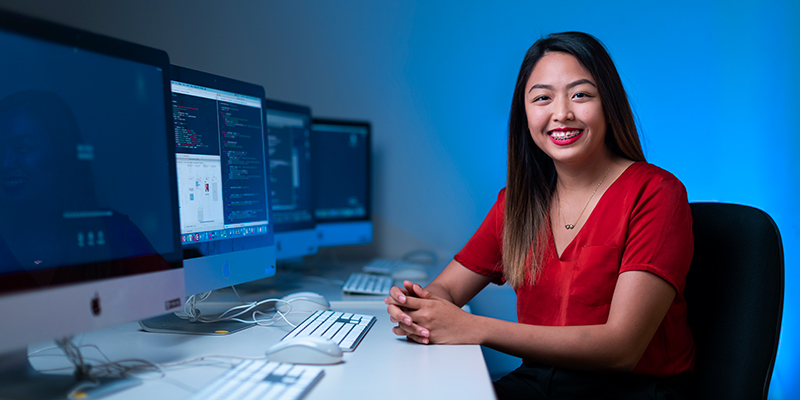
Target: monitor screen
(223,180)
(89,233)
(340,151)
(289,132)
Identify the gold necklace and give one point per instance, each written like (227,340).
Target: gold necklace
(571,226)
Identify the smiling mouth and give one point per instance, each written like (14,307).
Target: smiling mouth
(564,135)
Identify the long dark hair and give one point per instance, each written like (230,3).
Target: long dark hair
(531,177)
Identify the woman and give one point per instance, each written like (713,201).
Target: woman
(595,241)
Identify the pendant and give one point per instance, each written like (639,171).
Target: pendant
(569,226)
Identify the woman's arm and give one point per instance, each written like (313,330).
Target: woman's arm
(456,285)
(640,302)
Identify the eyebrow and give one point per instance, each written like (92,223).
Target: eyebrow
(569,86)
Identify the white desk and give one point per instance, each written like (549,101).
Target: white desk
(383,366)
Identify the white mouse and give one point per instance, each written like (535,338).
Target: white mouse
(306,350)
(409,272)
(304,301)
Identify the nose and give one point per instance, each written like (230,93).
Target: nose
(562,110)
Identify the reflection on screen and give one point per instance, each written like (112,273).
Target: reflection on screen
(77,163)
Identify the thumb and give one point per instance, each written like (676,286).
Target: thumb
(422,293)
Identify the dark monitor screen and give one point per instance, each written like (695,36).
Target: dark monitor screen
(88,206)
(289,132)
(342,172)
(223,180)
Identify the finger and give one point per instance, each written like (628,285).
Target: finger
(414,303)
(403,319)
(405,307)
(422,293)
(399,331)
(392,301)
(398,294)
(404,330)
(409,287)
(407,323)
(412,329)
(398,316)
(418,339)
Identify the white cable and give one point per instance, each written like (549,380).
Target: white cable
(240,310)
(118,368)
(237,295)
(190,310)
(109,366)
(192,313)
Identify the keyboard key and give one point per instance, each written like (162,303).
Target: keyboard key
(261,379)
(345,329)
(359,283)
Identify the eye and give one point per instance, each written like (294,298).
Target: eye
(581,95)
(541,97)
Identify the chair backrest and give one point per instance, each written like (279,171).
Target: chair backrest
(734,296)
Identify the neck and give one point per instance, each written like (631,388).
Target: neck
(577,178)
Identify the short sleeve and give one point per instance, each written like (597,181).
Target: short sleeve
(483,252)
(660,237)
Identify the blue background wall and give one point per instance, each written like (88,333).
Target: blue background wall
(714,84)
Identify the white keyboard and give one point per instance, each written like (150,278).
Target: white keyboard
(384,266)
(261,379)
(359,283)
(346,329)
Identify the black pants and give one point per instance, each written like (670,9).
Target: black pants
(533,381)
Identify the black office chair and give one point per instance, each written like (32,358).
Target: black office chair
(734,296)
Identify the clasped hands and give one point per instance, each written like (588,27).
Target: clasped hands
(426,318)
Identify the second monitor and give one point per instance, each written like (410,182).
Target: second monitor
(223,188)
(223,191)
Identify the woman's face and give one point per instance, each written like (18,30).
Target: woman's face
(29,173)
(565,114)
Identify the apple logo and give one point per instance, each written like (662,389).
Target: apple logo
(96,309)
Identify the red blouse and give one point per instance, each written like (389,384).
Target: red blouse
(641,223)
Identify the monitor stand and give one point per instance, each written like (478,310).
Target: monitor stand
(18,380)
(170,323)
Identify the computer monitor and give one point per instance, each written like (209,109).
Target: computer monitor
(340,151)
(223,180)
(89,234)
(289,132)
(223,189)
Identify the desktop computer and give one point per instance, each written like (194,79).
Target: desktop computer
(340,150)
(341,155)
(223,185)
(289,133)
(89,234)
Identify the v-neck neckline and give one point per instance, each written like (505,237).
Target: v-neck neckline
(588,218)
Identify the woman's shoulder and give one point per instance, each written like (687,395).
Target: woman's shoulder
(500,203)
(647,180)
(643,171)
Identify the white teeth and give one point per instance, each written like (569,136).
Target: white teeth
(564,135)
